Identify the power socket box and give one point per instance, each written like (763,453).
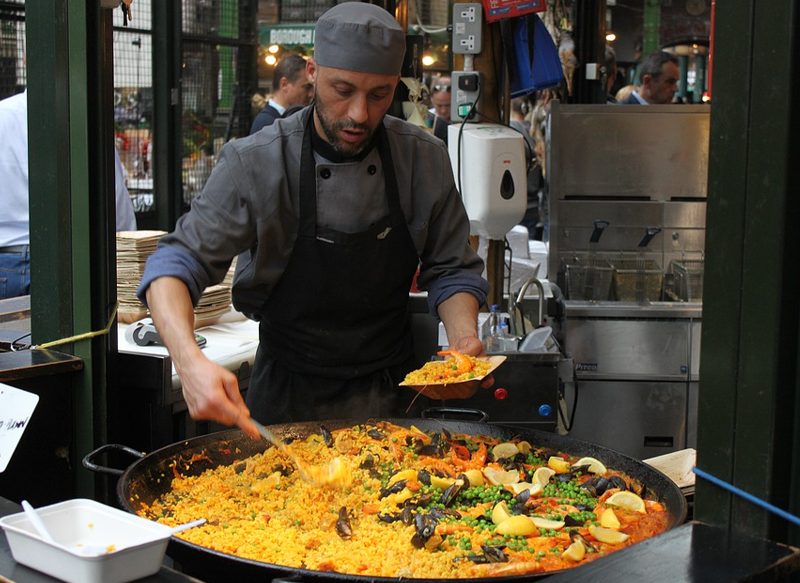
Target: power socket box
(467,19)
(464,90)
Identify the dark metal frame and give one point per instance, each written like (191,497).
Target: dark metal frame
(749,409)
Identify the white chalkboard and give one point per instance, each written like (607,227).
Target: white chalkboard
(16,408)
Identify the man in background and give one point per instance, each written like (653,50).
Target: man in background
(659,75)
(291,88)
(610,73)
(440,107)
(15,257)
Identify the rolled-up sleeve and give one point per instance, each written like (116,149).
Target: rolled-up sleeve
(174,262)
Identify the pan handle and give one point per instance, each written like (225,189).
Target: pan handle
(440,412)
(89,464)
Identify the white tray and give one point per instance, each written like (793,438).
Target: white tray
(137,545)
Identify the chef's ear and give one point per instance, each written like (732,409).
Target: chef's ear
(311,69)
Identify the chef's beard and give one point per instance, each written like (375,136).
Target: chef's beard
(331,128)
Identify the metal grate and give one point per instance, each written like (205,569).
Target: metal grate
(13,78)
(133,101)
(219,39)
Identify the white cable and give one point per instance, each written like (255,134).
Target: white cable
(423,27)
(469,62)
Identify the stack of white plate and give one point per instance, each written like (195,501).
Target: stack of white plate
(133,249)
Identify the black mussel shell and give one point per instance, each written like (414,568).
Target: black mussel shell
(326,435)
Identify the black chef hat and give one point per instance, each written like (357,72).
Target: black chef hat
(359,37)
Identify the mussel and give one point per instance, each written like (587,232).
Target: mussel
(436,448)
(424,476)
(452,491)
(407,515)
(376,434)
(617,482)
(424,527)
(343,527)
(326,435)
(575,535)
(393,489)
(494,554)
(596,486)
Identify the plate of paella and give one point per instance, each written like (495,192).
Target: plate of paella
(453,368)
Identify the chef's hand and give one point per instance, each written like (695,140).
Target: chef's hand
(212,393)
(471,346)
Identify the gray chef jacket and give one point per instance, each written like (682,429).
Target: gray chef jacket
(251,203)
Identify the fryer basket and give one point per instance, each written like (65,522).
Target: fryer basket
(688,277)
(637,280)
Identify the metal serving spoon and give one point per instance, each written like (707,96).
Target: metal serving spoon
(335,472)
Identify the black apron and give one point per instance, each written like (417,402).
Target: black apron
(334,333)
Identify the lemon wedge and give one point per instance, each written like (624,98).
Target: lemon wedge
(524,447)
(559,464)
(607,535)
(403,475)
(516,526)
(441,483)
(500,512)
(475,478)
(542,476)
(575,552)
(627,500)
(546,523)
(500,476)
(608,519)
(595,465)
(520,487)
(504,450)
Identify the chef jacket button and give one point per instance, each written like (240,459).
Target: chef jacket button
(372,169)
(325,173)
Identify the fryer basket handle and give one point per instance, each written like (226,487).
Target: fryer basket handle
(440,412)
(89,464)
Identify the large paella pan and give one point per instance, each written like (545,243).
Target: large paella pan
(422,499)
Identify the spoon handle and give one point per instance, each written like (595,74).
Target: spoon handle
(36,520)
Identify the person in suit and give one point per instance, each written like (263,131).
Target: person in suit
(291,90)
(659,76)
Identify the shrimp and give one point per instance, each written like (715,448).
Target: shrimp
(463,363)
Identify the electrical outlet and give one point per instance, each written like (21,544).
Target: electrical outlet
(464,89)
(467,38)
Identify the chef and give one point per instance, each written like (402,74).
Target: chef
(332,210)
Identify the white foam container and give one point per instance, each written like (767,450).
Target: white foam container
(139,544)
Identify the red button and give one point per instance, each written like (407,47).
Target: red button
(500,394)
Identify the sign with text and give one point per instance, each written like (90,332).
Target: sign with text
(501,9)
(16,408)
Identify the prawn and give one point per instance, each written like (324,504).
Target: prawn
(463,363)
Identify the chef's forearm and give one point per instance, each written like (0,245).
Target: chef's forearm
(173,315)
(459,313)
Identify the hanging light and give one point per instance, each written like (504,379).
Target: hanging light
(610,37)
(273,49)
(270,60)
(428,59)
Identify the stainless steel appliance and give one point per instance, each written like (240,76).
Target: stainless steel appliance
(627,197)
